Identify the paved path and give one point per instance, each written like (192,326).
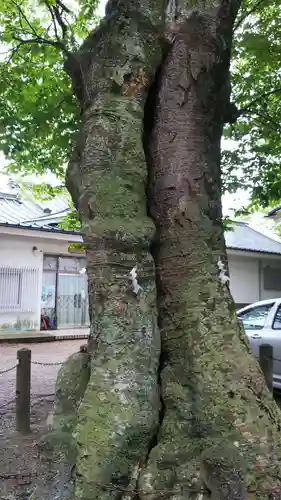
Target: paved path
(44,336)
(43,378)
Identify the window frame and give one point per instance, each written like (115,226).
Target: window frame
(269,305)
(12,271)
(266,277)
(274,327)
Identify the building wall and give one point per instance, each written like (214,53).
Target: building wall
(244,279)
(247,277)
(17,253)
(271,288)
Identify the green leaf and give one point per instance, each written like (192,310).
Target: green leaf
(39,115)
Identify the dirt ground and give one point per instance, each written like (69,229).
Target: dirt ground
(19,462)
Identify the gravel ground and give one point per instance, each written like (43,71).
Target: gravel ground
(42,377)
(19,454)
(19,458)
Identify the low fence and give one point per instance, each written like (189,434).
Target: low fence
(23,393)
(266,360)
(23,382)
(23,401)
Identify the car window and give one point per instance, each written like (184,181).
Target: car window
(277,319)
(255,318)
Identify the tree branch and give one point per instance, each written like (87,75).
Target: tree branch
(269,120)
(53,20)
(260,98)
(36,38)
(63,7)
(58,44)
(232,113)
(248,13)
(235,6)
(60,21)
(56,16)
(13,51)
(265,116)
(25,18)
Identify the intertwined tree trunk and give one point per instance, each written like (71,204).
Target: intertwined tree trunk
(177,405)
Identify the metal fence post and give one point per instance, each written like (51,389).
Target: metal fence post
(23,391)
(266,363)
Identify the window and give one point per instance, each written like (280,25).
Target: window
(255,318)
(71,264)
(49,263)
(272,278)
(18,289)
(10,289)
(277,320)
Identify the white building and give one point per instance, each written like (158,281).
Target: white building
(42,283)
(254,264)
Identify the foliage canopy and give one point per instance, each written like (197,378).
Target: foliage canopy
(39,114)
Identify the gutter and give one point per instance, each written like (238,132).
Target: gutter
(264,252)
(41,229)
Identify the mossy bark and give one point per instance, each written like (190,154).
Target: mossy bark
(58,447)
(214,425)
(71,384)
(218,413)
(107,178)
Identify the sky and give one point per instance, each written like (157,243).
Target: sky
(230,201)
(101,7)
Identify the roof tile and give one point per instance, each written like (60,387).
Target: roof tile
(244,237)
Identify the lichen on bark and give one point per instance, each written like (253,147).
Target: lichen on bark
(213,390)
(119,414)
(72,381)
(58,447)
(216,412)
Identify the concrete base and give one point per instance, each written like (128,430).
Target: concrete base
(44,336)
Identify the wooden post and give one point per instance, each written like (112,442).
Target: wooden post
(266,363)
(23,391)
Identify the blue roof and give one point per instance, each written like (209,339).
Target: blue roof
(244,238)
(21,212)
(25,212)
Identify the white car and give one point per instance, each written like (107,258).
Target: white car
(262,323)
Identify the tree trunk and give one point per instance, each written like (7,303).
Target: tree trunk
(119,415)
(217,410)
(214,428)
